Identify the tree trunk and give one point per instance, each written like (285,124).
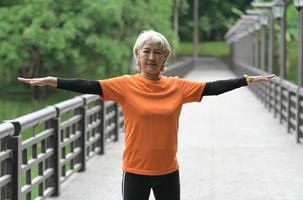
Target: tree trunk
(176,17)
(195,30)
(36,69)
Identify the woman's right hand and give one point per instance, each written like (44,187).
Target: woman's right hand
(51,81)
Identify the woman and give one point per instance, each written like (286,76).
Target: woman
(151,104)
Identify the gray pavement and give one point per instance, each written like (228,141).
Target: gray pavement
(230,148)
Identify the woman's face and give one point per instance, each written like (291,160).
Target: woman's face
(151,59)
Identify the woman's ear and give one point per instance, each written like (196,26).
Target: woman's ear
(138,62)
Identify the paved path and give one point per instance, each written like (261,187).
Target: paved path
(230,148)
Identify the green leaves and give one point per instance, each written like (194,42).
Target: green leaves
(292,23)
(41,36)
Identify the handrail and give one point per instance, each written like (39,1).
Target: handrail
(252,50)
(280,96)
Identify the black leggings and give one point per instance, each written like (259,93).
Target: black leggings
(137,187)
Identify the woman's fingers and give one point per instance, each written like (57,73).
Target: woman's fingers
(21,79)
(24,80)
(262,78)
(32,81)
(269,76)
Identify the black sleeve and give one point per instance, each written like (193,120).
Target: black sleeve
(222,86)
(80,85)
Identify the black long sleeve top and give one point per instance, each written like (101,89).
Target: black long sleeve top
(94,87)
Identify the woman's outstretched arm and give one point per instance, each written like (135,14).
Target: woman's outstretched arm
(45,81)
(222,86)
(75,85)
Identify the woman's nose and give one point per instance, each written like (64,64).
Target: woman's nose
(151,56)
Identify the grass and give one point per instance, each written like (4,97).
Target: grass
(13,106)
(216,48)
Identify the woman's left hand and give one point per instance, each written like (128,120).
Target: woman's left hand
(256,79)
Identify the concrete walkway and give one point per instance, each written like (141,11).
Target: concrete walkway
(230,148)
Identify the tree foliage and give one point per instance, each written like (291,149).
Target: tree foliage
(292,22)
(40,37)
(216,17)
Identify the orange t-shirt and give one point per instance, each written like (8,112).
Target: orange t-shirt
(151,113)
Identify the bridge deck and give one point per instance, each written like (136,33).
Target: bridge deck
(230,148)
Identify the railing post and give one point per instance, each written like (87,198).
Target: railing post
(83,128)
(262,93)
(266,85)
(298,120)
(117,122)
(102,115)
(269,95)
(281,102)
(121,120)
(288,110)
(275,100)
(56,183)
(14,143)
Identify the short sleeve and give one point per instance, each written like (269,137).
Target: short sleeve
(192,90)
(113,89)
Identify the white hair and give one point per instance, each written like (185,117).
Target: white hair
(155,37)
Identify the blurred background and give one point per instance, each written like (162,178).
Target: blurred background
(94,39)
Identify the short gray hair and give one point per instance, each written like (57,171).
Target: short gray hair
(155,37)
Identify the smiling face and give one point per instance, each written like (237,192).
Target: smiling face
(151,60)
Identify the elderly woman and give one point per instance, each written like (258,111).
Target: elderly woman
(151,104)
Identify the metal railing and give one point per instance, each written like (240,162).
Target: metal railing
(252,42)
(41,150)
(279,96)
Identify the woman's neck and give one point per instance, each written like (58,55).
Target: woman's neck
(153,77)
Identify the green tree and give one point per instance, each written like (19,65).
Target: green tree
(42,37)
(216,17)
